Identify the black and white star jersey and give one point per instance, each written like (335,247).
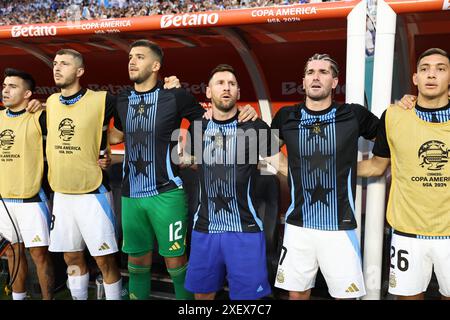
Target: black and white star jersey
(322,154)
(227,167)
(148,120)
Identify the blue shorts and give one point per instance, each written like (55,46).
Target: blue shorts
(239,256)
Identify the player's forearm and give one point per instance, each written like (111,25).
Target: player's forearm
(279,162)
(115,136)
(373,167)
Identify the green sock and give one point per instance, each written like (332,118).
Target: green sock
(139,285)
(178,275)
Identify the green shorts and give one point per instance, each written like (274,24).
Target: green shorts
(164,216)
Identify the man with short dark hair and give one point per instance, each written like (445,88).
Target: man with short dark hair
(77,120)
(321,137)
(23,185)
(416,143)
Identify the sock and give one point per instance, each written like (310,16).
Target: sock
(19,295)
(113,291)
(178,276)
(78,286)
(140,282)
(125,294)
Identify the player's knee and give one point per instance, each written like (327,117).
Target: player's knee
(106,263)
(75,260)
(9,253)
(39,255)
(299,295)
(175,262)
(205,296)
(14,250)
(141,258)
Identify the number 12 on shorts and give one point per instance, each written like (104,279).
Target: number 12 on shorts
(174,231)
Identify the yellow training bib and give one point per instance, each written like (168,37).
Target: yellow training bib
(21,155)
(419,201)
(73,142)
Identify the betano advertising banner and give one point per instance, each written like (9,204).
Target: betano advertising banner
(283,14)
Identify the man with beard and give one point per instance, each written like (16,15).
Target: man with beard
(228,239)
(321,137)
(416,143)
(153,202)
(77,120)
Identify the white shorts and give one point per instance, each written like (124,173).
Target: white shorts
(336,253)
(83,219)
(412,262)
(32,221)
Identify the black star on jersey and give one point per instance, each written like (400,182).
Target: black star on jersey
(319,193)
(220,172)
(221,202)
(140,137)
(141,165)
(317,160)
(317,129)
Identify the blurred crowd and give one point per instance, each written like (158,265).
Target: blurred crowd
(45,11)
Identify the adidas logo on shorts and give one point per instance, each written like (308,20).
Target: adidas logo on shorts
(175,246)
(104,246)
(36,239)
(133,296)
(352,288)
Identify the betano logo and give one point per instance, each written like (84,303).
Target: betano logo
(187,20)
(33,31)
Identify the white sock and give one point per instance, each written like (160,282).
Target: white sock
(78,286)
(19,295)
(113,291)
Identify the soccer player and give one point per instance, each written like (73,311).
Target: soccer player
(77,120)
(321,137)
(154,202)
(23,184)
(228,238)
(416,143)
